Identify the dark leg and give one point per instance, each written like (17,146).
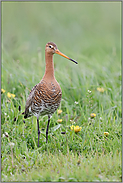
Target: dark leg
(47,128)
(38,130)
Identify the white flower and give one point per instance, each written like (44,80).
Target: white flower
(6,134)
(76,102)
(89,91)
(12,144)
(3,135)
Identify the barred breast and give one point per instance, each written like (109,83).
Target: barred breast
(44,99)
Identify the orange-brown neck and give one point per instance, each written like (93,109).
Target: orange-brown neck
(49,69)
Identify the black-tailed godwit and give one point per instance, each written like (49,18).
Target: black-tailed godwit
(45,97)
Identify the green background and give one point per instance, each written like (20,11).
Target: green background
(90,33)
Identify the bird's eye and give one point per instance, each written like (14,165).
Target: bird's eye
(50,46)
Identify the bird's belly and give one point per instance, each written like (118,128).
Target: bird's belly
(45,107)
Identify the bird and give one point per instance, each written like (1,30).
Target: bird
(45,97)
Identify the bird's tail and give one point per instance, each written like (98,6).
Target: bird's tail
(25,115)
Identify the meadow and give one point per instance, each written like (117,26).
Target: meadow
(90,33)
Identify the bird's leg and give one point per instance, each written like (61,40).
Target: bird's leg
(38,130)
(47,128)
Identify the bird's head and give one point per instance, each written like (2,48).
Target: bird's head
(51,48)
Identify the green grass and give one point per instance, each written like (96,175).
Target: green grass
(89,33)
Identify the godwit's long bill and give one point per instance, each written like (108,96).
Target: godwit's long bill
(45,97)
(63,55)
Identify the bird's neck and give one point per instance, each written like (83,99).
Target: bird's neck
(49,69)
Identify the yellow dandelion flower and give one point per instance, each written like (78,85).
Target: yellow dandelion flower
(93,115)
(71,127)
(100,89)
(75,128)
(106,134)
(10,95)
(2,91)
(59,120)
(13,95)
(59,111)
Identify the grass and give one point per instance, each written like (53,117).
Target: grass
(89,33)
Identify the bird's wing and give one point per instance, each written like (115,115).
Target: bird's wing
(29,102)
